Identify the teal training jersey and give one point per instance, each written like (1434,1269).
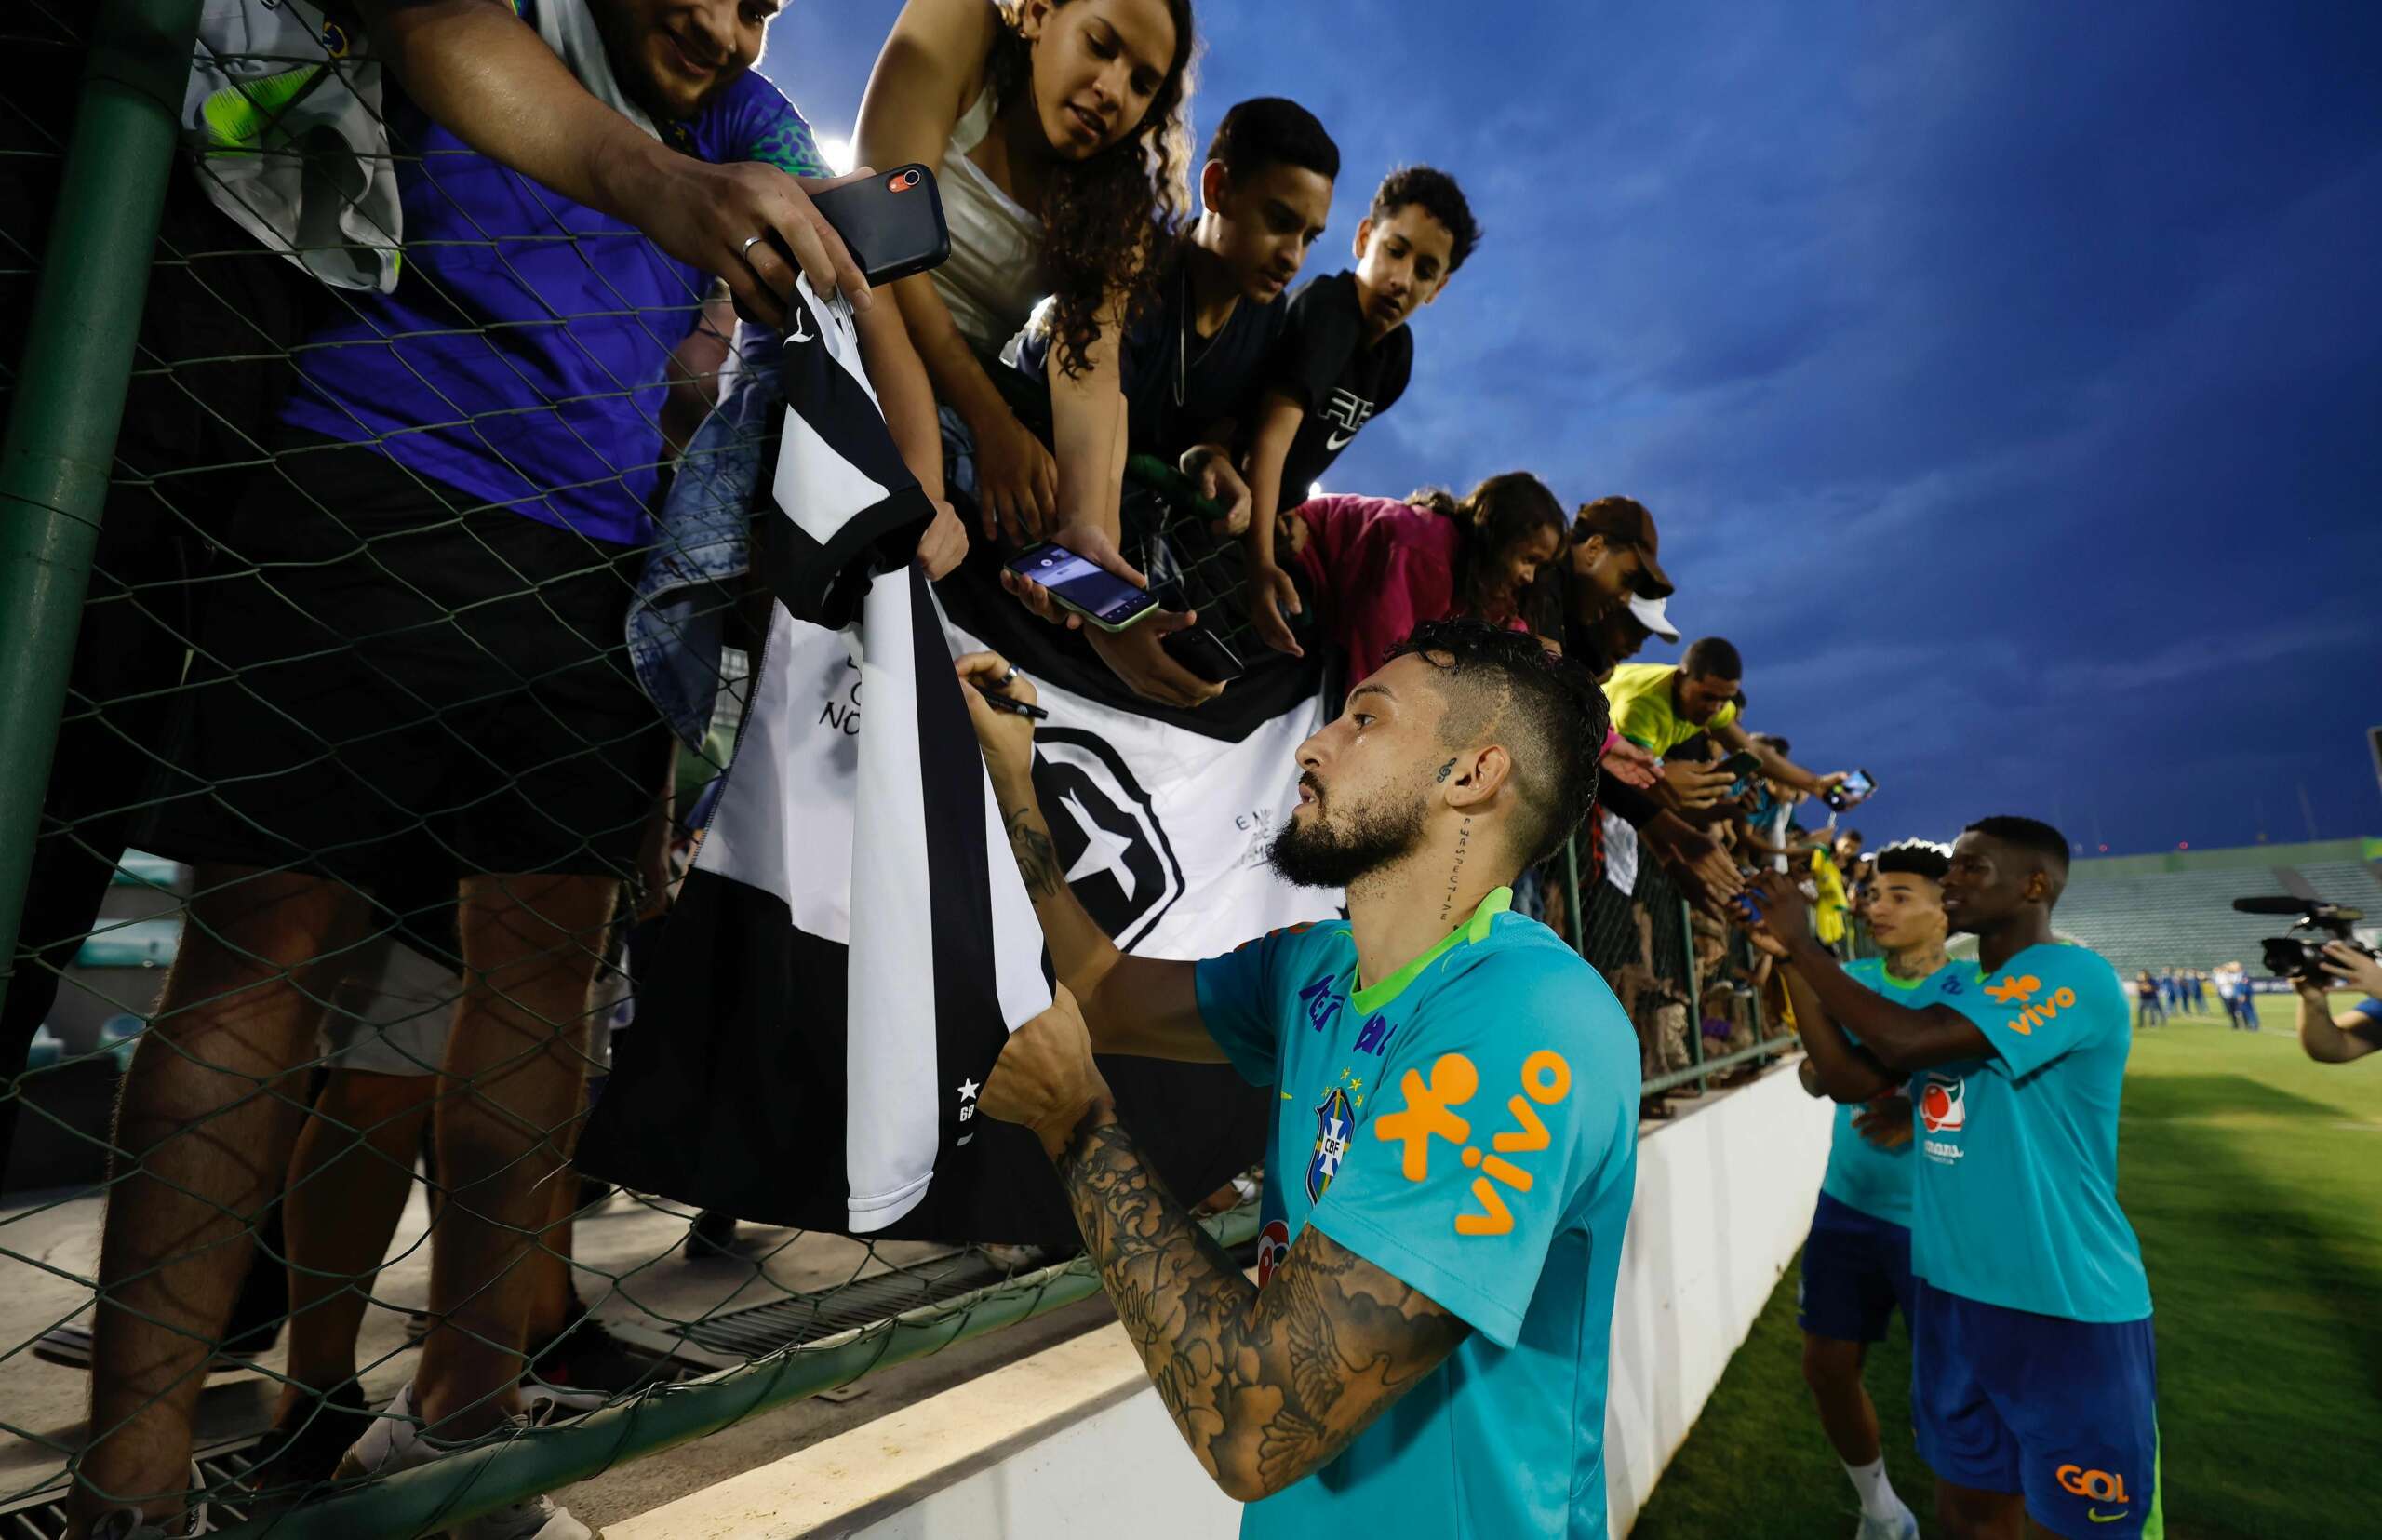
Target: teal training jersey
(2017,1190)
(1468,1125)
(1860,1175)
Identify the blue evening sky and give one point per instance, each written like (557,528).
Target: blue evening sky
(2006,379)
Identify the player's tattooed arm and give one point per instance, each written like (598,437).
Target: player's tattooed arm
(1037,859)
(1264,1385)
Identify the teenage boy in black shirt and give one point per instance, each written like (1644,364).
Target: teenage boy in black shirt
(1344,359)
(1194,364)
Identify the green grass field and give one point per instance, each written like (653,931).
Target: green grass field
(2255,1179)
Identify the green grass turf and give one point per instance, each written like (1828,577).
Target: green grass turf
(2254,1177)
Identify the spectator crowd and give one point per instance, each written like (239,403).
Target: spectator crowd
(436,762)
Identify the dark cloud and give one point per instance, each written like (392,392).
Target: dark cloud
(2006,378)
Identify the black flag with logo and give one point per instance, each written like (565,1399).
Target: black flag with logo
(853,947)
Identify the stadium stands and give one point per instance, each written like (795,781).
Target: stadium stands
(2175,910)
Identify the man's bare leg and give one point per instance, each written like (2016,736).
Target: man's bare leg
(205,1137)
(1968,1513)
(1832,1369)
(515,1070)
(552,1301)
(348,1187)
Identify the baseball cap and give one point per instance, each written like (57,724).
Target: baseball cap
(1653,614)
(1625,521)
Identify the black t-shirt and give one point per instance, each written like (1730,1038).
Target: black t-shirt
(1323,364)
(1178,384)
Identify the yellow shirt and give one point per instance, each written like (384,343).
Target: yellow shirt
(1639,696)
(1827,914)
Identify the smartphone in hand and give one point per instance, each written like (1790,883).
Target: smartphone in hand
(1084,587)
(1205,654)
(1857,787)
(891,223)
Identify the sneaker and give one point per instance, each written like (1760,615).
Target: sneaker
(305,1450)
(129,1524)
(1013,1260)
(1902,1525)
(396,1443)
(70,1347)
(711,1234)
(585,1366)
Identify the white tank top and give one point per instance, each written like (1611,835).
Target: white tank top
(994,274)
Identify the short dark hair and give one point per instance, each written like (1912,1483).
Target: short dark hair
(1914,858)
(1550,704)
(1849,833)
(2031,834)
(1778,745)
(1435,194)
(1273,131)
(1711,658)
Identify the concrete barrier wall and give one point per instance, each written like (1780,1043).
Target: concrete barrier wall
(1073,1442)
(1724,1197)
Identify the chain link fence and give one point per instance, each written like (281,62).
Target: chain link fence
(330,1073)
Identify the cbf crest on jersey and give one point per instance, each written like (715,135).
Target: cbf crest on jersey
(1335,1122)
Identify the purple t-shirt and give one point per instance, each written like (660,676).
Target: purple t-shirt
(521,358)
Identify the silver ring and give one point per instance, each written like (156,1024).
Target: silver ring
(745,250)
(1010,678)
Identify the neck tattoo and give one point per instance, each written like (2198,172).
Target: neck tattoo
(1455,872)
(1919,962)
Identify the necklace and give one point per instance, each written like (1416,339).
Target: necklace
(1182,359)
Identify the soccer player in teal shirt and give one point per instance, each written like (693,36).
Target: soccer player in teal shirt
(1450,1165)
(2034,1379)
(1857,1260)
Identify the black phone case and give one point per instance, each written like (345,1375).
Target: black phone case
(892,233)
(1205,655)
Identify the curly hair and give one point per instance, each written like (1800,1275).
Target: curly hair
(1107,220)
(1496,516)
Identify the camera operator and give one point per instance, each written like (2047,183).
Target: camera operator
(2337,1039)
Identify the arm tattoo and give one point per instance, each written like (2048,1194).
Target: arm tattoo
(1265,1386)
(1037,859)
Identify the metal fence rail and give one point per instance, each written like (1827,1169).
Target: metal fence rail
(81,968)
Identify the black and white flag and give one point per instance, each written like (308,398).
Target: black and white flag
(854,944)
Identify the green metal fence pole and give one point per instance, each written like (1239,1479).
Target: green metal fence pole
(70,394)
(1756,1010)
(1694,994)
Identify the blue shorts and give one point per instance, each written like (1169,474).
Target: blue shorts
(1856,1273)
(2062,1410)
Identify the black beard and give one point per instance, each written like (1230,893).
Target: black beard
(1316,856)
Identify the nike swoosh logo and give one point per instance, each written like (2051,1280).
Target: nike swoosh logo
(2100,1518)
(1339,440)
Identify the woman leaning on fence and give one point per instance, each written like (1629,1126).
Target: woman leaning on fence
(1055,130)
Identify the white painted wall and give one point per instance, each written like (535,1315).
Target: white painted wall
(1121,1471)
(1073,1442)
(1724,1197)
